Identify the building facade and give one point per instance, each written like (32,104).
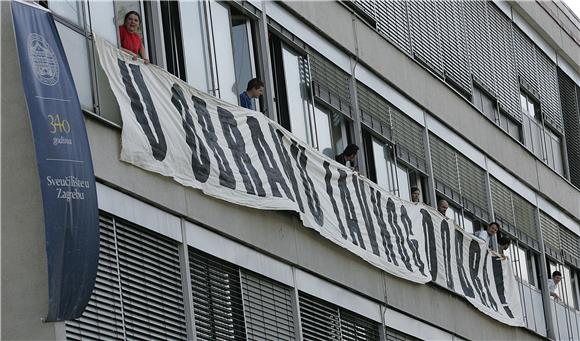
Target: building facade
(475,102)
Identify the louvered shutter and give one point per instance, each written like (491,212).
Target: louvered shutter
(453,44)
(102,319)
(481,59)
(393,23)
(473,187)
(504,62)
(330,83)
(395,335)
(357,328)
(374,111)
(425,34)
(570,97)
(408,135)
(570,242)
(151,285)
(444,168)
(217,298)
(268,308)
(550,232)
(525,52)
(366,6)
(549,93)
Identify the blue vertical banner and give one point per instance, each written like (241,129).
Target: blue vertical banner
(63,156)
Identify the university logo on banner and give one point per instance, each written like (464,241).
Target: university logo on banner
(241,156)
(63,156)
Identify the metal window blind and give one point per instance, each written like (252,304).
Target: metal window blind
(357,328)
(502,201)
(324,321)
(374,110)
(151,285)
(366,6)
(408,135)
(525,52)
(570,98)
(425,34)
(550,231)
(217,298)
(570,242)
(395,335)
(525,215)
(268,308)
(504,62)
(473,186)
(102,319)
(393,23)
(481,59)
(331,84)
(443,162)
(549,93)
(454,44)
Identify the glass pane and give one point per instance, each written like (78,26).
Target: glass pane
(382,167)
(536,137)
(531,109)
(488,107)
(323,132)
(451,213)
(549,152)
(297,103)
(224,54)
(242,53)
(523,264)
(403,178)
(477,99)
(76,49)
(103,20)
(195,48)
(69,9)
(338,132)
(567,283)
(524,104)
(468,224)
(108,106)
(557,150)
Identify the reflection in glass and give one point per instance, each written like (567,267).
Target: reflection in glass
(71,10)
(241,33)
(103,20)
(468,224)
(196,59)
(523,264)
(76,49)
(297,99)
(224,55)
(323,132)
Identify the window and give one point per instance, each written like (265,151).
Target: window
(568,286)
(510,126)
(174,61)
(524,263)
(292,97)
(553,150)
(224,69)
(242,33)
(195,40)
(331,131)
(532,126)
(380,163)
(485,103)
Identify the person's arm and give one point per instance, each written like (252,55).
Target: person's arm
(555,295)
(142,54)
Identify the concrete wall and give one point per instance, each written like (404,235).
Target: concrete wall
(24,276)
(431,93)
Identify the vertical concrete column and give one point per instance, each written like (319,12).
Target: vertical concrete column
(354,105)
(430,179)
(186,284)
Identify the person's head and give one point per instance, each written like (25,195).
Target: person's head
(556,277)
(255,88)
(504,243)
(350,152)
(442,206)
(492,228)
(415,194)
(132,21)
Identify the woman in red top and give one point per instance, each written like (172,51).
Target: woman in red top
(130,39)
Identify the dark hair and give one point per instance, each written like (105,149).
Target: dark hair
(556,273)
(129,13)
(504,241)
(494,223)
(351,149)
(414,189)
(254,83)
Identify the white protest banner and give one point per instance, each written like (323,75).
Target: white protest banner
(243,157)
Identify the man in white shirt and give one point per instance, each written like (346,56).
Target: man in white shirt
(553,284)
(486,234)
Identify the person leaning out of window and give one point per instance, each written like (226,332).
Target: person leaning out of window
(130,38)
(348,155)
(254,89)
